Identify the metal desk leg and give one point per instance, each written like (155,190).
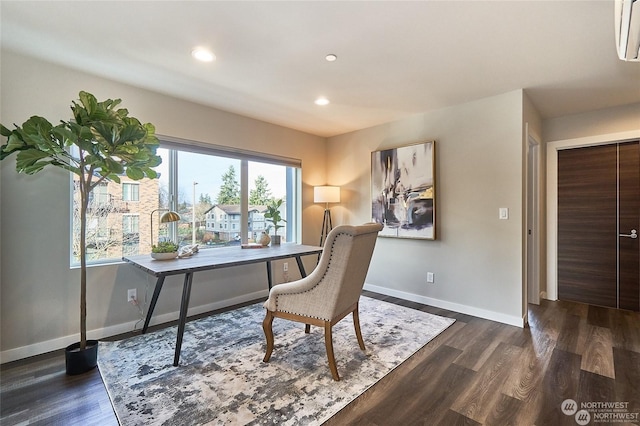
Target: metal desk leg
(301,267)
(269,278)
(152,305)
(184,306)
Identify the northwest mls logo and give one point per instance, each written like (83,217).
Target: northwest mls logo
(570,408)
(599,412)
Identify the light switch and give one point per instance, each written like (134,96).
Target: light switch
(503,213)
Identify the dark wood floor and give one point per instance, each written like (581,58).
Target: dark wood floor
(476,372)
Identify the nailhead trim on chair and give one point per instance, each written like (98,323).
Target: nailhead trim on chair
(319,282)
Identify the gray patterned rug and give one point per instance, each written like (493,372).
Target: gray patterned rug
(222,380)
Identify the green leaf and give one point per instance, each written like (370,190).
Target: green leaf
(127,149)
(151,174)
(113,166)
(4,131)
(36,126)
(64,134)
(132,133)
(135,173)
(14,143)
(29,161)
(154,161)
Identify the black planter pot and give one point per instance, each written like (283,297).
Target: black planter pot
(80,361)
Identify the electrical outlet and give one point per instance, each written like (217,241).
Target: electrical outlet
(285,267)
(430,277)
(132,294)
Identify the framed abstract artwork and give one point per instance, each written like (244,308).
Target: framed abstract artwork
(403,191)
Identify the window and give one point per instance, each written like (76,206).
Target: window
(130,191)
(99,197)
(130,223)
(208,186)
(130,234)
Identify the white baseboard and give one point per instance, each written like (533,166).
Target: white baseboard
(113,330)
(62,342)
(456,307)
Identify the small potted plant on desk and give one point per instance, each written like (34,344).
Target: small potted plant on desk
(273,216)
(165,250)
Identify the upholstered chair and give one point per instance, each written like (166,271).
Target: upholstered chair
(330,292)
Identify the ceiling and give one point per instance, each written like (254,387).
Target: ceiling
(395,58)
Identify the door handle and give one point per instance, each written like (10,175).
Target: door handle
(634,234)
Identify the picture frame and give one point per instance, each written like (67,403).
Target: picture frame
(403,196)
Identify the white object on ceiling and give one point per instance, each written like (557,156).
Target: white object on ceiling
(627,29)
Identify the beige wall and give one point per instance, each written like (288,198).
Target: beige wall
(477,258)
(593,123)
(39,292)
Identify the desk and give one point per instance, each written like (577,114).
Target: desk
(205,260)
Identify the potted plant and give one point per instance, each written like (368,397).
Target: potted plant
(273,216)
(101,142)
(164,250)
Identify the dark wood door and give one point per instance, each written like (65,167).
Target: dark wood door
(599,199)
(629,248)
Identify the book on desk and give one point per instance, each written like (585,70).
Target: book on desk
(253,246)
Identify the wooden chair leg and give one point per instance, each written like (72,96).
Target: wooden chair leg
(307,328)
(328,342)
(268,333)
(356,324)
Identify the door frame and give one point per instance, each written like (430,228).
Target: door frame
(552,195)
(533,221)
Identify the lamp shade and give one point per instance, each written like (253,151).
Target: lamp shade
(169,216)
(326,194)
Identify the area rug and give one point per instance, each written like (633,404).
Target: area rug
(221,379)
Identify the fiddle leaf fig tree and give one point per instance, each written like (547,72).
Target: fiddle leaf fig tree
(100,143)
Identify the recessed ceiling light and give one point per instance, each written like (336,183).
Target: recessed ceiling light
(202,54)
(322,101)
(331,57)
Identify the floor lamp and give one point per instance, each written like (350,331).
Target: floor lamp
(326,195)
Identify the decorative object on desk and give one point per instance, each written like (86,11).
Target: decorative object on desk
(167,217)
(273,215)
(326,194)
(253,246)
(188,250)
(264,239)
(100,143)
(403,191)
(165,250)
(226,382)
